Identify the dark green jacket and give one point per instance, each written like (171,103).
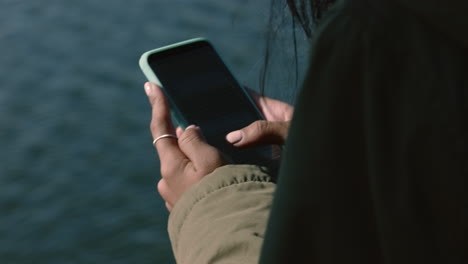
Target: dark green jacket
(375,168)
(376,162)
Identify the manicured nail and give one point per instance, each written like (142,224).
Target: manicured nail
(148,89)
(234,137)
(191,126)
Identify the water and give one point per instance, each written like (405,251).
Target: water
(78,172)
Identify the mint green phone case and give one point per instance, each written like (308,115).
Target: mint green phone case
(177,116)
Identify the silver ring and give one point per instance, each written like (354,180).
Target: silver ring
(163,136)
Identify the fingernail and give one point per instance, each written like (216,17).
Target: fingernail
(148,89)
(191,126)
(234,137)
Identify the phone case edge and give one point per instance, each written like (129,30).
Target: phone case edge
(177,116)
(151,76)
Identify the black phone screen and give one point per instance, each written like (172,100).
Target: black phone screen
(207,95)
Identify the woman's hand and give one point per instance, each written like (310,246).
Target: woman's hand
(272,131)
(185,160)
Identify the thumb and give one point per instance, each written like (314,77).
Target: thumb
(260,133)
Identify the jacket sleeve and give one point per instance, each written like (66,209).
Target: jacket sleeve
(222,219)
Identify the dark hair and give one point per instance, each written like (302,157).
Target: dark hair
(305,13)
(308,12)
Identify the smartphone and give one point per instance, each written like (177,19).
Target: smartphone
(202,91)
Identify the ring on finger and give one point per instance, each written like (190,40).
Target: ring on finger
(163,136)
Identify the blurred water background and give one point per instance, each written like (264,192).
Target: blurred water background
(77,168)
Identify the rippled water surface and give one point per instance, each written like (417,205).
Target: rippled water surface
(77,169)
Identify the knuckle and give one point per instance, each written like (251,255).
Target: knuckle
(161,125)
(163,189)
(188,136)
(261,126)
(167,171)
